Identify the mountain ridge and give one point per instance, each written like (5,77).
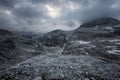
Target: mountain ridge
(101,21)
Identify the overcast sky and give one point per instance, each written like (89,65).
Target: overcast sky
(47,15)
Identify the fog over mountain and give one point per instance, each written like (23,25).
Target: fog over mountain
(48,15)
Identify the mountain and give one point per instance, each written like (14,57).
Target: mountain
(103,27)
(5,32)
(100,22)
(7,47)
(55,38)
(99,37)
(15,48)
(96,38)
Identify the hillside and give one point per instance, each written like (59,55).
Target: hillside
(90,52)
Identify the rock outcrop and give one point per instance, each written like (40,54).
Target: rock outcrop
(55,38)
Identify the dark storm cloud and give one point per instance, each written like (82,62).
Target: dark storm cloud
(28,12)
(90,9)
(5,3)
(46,15)
(40,1)
(8,3)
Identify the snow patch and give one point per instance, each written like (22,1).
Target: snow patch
(114,52)
(114,40)
(81,42)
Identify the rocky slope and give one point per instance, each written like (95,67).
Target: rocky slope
(97,38)
(15,48)
(59,67)
(91,52)
(55,38)
(101,22)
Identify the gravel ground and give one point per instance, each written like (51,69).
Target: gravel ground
(54,66)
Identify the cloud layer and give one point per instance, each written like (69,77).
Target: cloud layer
(47,15)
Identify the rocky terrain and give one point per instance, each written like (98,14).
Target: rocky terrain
(55,38)
(102,39)
(15,48)
(90,52)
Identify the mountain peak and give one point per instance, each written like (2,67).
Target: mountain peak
(101,21)
(5,32)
